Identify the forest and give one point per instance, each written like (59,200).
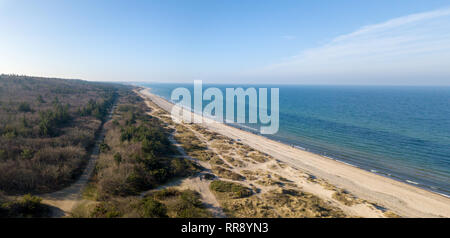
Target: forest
(47,129)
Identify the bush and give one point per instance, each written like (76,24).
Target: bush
(189,205)
(105,210)
(154,140)
(27,154)
(3,210)
(30,204)
(27,206)
(166,193)
(99,109)
(51,120)
(183,167)
(118,182)
(191,197)
(24,107)
(153,209)
(40,99)
(118,158)
(3,155)
(104,147)
(233,190)
(180,204)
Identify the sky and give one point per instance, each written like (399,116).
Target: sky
(371,42)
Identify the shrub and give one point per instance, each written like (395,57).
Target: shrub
(117,158)
(3,209)
(3,155)
(188,205)
(105,210)
(104,147)
(27,154)
(233,190)
(27,206)
(40,99)
(153,209)
(117,182)
(51,120)
(182,167)
(30,204)
(166,193)
(191,197)
(24,107)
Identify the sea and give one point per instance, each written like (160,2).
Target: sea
(401,132)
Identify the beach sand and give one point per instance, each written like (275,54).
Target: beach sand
(401,198)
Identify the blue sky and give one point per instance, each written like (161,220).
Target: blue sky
(295,42)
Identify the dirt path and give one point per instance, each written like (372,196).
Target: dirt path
(63,201)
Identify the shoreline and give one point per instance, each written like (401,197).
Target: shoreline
(298,145)
(399,196)
(376,171)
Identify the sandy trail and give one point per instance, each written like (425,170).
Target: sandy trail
(63,201)
(404,199)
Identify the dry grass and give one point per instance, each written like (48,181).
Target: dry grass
(390,214)
(346,198)
(228,174)
(279,203)
(235,162)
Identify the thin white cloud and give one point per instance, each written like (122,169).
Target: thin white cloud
(412,46)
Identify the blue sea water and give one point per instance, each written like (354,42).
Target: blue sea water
(398,132)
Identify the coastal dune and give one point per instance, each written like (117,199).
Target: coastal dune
(404,199)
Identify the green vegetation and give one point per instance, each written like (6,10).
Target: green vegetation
(27,206)
(51,120)
(105,210)
(230,190)
(137,154)
(164,203)
(24,107)
(151,208)
(98,109)
(177,204)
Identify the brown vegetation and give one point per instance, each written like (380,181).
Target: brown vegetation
(47,127)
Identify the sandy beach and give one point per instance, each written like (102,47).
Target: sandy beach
(403,199)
